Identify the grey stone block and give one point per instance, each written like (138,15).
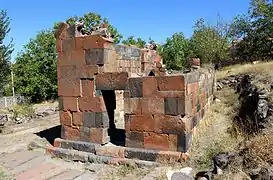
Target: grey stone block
(184,142)
(89,119)
(192,77)
(135,87)
(95,119)
(174,106)
(61,105)
(101,120)
(141,154)
(135,139)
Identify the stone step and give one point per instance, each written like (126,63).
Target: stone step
(112,151)
(74,155)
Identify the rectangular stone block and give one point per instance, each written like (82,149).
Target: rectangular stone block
(149,86)
(134,139)
(135,87)
(77,119)
(125,52)
(87,87)
(78,57)
(132,106)
(143,123)
(85,134)
(92,104)
(169,124)
(68,44)
(70,104)
(184,142)
(174,106)
(142,154)
(65,118)
(152,105)
(99,135)
(97,42)
(87,71)
(99,56)
(95,119)
(69,87)
(71,133)
(112,81)
(67,71)
(171,83)
(156,141)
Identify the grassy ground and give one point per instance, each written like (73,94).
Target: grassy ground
(216,133)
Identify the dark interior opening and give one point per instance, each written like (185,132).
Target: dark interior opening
(151,73)
(117,136)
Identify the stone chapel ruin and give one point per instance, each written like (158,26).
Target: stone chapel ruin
(161,111)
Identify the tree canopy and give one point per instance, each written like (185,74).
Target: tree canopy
(5,51)
(132,41)
(35,68)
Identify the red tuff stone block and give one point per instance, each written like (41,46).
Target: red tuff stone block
(169,124)
(65,118)
(71,133)
(79,43)
(68,44)
(77,119)
(114,151)
(168,156)
(170,94)
(149,86)
(69,87)
(59,45)
(173,140)
(66,71)
(143,123)
(92,104)
(87,71)
(96,41)
(134,139)
(112,81)
(171,83)
(132,105)
(152,105)
(99,135)
(87,87)
(156,141)
(70,104)
(77,57)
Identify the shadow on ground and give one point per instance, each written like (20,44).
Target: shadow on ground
(50,134)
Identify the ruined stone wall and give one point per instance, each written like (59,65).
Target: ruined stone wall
(159,111)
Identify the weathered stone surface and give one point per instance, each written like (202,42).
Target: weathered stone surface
(135,87)
(130,53)
(142,154)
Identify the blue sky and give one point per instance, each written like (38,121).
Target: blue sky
(141,18)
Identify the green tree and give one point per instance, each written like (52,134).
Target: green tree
(254,31)
(210,42)
(93,20)
(5,51)
(35,68)
(175,52)
(131,41)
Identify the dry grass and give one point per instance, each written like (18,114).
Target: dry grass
(216,132)
(212,135)
(260,68)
